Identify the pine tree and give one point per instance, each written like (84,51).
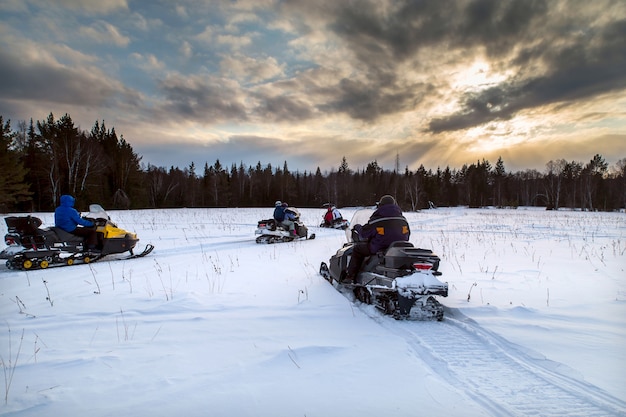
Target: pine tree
(13,189)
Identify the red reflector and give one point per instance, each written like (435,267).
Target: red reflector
(9,241)
(262,224)
(422,267)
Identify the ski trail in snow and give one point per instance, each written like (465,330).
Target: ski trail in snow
(205,246)
(496,374)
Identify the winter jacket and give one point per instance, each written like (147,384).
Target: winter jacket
(328,217)
(66,217)
(289,215)
(279,213)
(385,226)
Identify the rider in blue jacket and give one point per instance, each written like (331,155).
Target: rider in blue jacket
(66,217)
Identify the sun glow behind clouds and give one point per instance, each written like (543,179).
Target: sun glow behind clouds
(479,75)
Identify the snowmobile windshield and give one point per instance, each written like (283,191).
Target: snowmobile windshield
(293,211)
(360,217)
(97,212)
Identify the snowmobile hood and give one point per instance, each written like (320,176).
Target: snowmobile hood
(67,200)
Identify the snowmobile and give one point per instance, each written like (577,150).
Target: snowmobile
(401,281)
(339,223)
(31,247)
(271,231)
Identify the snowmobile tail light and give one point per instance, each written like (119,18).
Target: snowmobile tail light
(422,266)
(9,241)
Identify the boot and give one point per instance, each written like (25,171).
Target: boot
(348,279)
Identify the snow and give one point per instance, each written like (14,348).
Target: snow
(213,324)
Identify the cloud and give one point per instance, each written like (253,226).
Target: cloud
(204,99)
(251,69)
(103,32)
(32,73)
(90,6)
(149,62)
(574,72)
(186,49)
(439,82)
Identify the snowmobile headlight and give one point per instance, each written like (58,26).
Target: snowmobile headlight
(422,266)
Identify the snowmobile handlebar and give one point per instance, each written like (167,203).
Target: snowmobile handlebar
(99,222)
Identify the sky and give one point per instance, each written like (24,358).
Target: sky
(211,323)
(438,83)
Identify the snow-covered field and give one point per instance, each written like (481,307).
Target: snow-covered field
(213,324)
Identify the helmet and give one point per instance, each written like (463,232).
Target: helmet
(277,203)
(386,199)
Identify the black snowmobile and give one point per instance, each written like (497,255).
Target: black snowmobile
(32,247)
(401,281)
(271,231)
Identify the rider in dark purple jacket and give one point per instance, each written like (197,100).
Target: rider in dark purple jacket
(385,226)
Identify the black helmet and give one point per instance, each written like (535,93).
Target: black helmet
(386,199)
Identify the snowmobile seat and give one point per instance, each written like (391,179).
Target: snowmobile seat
(64,236)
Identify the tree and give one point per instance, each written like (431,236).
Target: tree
(620,168)
(72,157)
(571,182)
(499,176)
(593,174)
(414,186)
(120,166)
(13,189)
(554,180)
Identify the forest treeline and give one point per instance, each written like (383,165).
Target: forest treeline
(40,161)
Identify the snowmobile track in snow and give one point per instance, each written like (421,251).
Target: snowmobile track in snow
(503,379)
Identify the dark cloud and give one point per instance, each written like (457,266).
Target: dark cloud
(283,108)
(367,101)
(497,25)
(407,27)
(589,66)
(558,53)
(364,79)
(206,100)
(35,80)
(380,41)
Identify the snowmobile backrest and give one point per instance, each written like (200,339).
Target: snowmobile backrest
(24,225)
(401,244)
(293,211)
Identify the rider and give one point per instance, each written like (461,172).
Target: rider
(284,217)
(290,219)
(279,211)
(332,215)
(67,218)
(385,226)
